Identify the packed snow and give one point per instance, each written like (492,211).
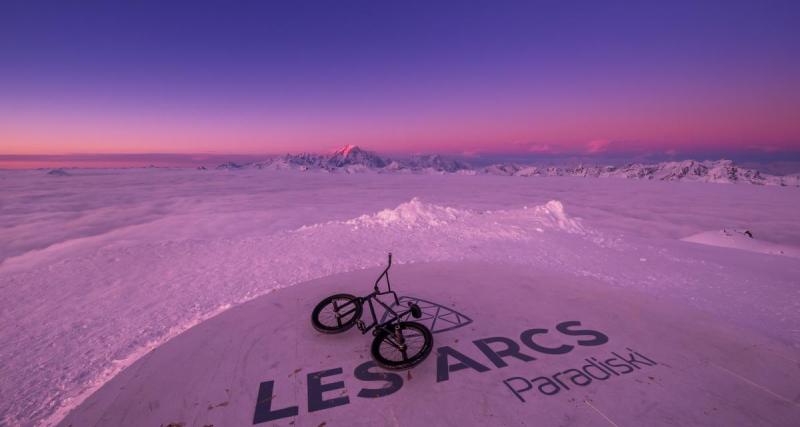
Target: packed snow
(744,240)
(101,266)
(698,371)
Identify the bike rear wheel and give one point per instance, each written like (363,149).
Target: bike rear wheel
(336,313)
(402,348)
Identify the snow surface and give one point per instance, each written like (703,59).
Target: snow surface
(101,266)
(740,239)
(707,372)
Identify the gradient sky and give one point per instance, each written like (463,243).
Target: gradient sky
(556,77)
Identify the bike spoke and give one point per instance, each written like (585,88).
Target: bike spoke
(328,317)
(351,311)
(414,345)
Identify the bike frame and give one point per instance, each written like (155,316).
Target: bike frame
(374,297)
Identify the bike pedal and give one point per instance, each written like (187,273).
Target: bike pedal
(360,325)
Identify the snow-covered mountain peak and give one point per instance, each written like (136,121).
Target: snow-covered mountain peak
(436,162)
(353,155)
(347,149)
(353,159)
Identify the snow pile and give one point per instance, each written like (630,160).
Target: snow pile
(417,214)
(413,213)
(553,214)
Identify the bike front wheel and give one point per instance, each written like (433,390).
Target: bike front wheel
(402,346)
(336,314)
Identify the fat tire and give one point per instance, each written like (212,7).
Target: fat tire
(320,327)
(414,360)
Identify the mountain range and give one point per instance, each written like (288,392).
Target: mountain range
(353,159)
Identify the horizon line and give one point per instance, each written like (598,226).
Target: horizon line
(212,159)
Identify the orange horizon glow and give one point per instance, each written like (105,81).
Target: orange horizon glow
(526,78)
(466,131)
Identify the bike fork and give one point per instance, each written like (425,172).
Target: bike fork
(398,337)
(336,312)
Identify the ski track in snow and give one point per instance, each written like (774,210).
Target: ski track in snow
(117,299)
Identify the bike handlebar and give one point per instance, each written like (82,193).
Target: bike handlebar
(385,273)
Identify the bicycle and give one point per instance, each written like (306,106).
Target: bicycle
(398,343)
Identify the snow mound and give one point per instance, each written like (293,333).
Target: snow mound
(552,213)
(416,214)
(413,213)
(743,240)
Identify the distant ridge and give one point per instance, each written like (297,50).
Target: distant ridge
(353,159)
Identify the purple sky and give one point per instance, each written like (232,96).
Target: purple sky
(558,79)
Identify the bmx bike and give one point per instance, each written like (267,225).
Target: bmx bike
(398,343)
